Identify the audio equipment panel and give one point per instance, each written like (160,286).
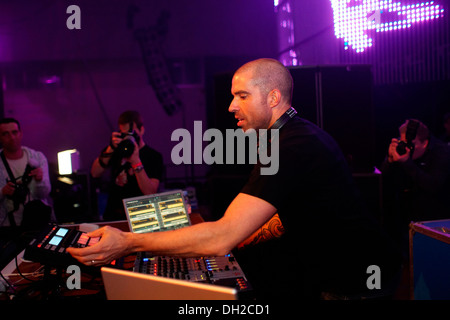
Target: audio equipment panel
(220,270)
(51,245)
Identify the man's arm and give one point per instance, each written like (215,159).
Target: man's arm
(41,187)
(146,184)
(431,180)
(270,230)
(102,161)
(242,218)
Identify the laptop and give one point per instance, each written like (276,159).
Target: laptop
(128,285)
(157,212)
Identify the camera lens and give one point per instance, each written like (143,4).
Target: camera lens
(125,148)
(401,148)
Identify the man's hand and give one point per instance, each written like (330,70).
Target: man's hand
(37,173)
(8,189)
(393,155)
(112,245)
(115,139)
(122,179)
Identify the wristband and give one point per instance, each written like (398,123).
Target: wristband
(138,169)
(105,154)
(135,166)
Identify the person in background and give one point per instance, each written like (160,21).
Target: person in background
(416,180)
(24,178)
(135,168)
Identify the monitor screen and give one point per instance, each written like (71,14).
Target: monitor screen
(157,212)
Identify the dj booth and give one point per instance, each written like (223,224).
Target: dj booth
(44,270)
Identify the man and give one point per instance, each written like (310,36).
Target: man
(29,179)
(416,180)
(325,241)
(133,174)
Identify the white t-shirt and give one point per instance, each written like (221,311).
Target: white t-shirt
(18,166)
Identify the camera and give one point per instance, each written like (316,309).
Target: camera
(126,147)
(411,133)
(402,145)
(21,189)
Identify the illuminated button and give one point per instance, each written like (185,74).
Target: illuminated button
(93,241)
(83,239)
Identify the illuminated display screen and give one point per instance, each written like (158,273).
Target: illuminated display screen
(356,20)
(160,212)
(62,232)
(55,240)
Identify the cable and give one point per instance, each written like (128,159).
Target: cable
(97,95)
(21,274)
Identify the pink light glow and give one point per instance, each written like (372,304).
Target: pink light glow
(353,19)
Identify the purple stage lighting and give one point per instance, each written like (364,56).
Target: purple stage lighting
(286,35)
(354,20)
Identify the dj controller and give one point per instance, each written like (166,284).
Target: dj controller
(50,248)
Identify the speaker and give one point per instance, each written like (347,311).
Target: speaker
(339,99)
(222,119)
(224,180)
(72,198)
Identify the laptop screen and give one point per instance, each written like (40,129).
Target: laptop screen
(157,212)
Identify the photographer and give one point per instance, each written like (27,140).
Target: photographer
(24,178)
(135,169)
(416,180)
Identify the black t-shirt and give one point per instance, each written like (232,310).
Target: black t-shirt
(329,239)
(153,165)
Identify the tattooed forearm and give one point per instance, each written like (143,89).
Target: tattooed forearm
(271,229)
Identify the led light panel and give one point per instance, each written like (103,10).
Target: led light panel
(354,20)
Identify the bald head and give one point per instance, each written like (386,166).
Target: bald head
(270,74)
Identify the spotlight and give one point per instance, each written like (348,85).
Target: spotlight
(68,161)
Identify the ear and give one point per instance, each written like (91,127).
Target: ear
(274,98)
(142,130)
